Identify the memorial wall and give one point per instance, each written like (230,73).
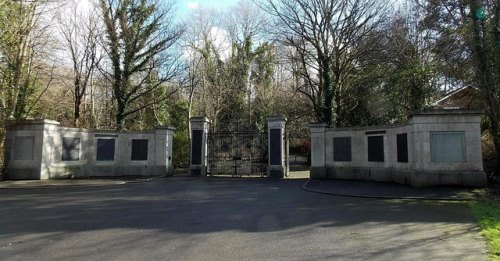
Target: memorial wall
(41,149)
(435,148)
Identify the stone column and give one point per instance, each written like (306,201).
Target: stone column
(163,150)
(318,166)
(276,147)
(199,149)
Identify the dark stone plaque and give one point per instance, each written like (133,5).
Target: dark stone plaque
(105,149)
(23,147)
(139,150)
(196,146)
(376,148)
(275,146)
(342,149)
(375,132)
(402,147)
(70,149)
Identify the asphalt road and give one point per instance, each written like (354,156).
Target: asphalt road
(228,219)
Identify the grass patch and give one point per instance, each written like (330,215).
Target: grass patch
(488,216)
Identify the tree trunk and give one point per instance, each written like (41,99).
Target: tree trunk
(78,101)
(76,119)
(486,76)
(120,116)
(328,90)
(495,133)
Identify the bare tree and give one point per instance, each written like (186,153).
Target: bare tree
(81,34)
(140,37)
(324,40)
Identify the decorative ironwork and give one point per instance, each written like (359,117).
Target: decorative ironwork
(237,153)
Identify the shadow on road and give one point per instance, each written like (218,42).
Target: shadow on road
(190,206)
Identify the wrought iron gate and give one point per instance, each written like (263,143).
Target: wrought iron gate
(237,153)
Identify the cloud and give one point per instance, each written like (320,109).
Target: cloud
(193,5)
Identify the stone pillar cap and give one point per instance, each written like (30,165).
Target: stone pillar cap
(461,112)
(318,125)
(276,118)
(202,119)
(165,128)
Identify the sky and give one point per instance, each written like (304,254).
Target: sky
(184,6)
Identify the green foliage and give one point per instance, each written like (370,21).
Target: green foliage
(263,105)
(178,112)
(488,216)
(181,156)
(172,112)
(138,38)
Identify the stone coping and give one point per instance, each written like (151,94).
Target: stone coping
(447,112)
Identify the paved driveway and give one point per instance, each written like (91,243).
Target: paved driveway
(228,219)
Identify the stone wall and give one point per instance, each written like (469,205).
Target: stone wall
(41,149)
(434,148)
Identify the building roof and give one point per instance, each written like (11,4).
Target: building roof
(462,98)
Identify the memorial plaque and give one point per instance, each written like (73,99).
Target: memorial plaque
(376,148)
(275,146)
(139,150)
(105,149)
(196,147)
(70,149)
(448,146)
(342,149)
(402,147)
(23,147)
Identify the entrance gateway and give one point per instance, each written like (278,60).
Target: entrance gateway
(237,153)
(261,153)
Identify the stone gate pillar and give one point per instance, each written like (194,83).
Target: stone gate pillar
(318,166)
(276,147)
(199,148)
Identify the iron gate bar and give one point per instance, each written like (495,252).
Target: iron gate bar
(237,153)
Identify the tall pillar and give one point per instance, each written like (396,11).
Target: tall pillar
(198,156)
(276,147)
(164,137)
(318,166)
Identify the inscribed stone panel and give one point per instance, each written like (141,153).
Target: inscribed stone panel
(139,149)
(402,147)
(275,146)
(342,149)
(448,146)
(70,149)
(23,147)
(196,147)
(105,149)
(376,148)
